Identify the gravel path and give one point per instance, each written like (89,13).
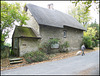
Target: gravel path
(68,66)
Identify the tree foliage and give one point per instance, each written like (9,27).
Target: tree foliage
(79,13)
(88,42)
(91,35)
(96,26)
(87,4)
(9,14)
(91,32)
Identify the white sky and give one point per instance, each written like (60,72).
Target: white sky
(62,6)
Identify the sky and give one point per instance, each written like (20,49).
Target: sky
(62,6)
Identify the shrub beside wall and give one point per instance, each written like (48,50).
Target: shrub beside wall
(96,42)
(45,51)
(64,47)
(5,52)
(87,42)
(36,56)
(46,47)
(93,44)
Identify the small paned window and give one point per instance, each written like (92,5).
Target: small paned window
(65,33)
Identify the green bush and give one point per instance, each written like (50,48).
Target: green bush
(66,44)
(46,47)
(93,44)
(87,42)
(64,47)
(42,48)
(36,56)
(96,42)
(4,52)
(53,41)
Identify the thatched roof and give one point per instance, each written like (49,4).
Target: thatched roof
(24,32)
(53,18)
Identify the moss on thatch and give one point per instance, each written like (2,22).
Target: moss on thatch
(24,32)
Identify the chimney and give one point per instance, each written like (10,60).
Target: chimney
(50,6)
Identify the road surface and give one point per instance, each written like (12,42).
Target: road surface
(77,65)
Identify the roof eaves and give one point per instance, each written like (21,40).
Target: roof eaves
(28,37)
(52,26)
(84,29)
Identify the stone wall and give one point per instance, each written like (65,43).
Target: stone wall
(32,22)
(27,45)
(74,36)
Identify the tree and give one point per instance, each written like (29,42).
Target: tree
(95,25)
(90,37)
(91,32)
(9,14)
(87,42)
(79,12)
(88,4)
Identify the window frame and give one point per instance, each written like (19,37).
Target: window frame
(64,33)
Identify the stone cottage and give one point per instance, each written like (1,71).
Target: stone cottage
(43,25)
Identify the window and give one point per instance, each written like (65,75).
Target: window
(65,34)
